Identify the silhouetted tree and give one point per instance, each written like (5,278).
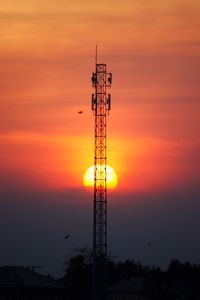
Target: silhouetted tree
(180,278)
(78,273)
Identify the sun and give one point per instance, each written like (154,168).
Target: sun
(112,178)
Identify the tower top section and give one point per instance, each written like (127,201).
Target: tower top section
(101,69)
(101,80)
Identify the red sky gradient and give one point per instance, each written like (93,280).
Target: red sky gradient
(47,57)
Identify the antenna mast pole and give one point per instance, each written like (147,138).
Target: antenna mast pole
(101,104)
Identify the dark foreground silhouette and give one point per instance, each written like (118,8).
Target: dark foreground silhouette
(130,280)
(127,280)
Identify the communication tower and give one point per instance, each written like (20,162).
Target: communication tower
(101,104)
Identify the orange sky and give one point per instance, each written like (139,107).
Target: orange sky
(47,56)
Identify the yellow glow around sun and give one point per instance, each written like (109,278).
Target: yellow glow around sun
(112,179)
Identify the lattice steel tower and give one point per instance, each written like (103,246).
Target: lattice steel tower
(101,104)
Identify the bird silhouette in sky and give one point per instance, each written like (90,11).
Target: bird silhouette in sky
(67,236)
(80,111)
(149,244)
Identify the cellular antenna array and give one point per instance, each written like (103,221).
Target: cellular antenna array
(101,105)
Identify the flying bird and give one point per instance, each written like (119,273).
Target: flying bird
(149,244)
(67,236)
(80,111)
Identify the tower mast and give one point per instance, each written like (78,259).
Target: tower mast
(101,104)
